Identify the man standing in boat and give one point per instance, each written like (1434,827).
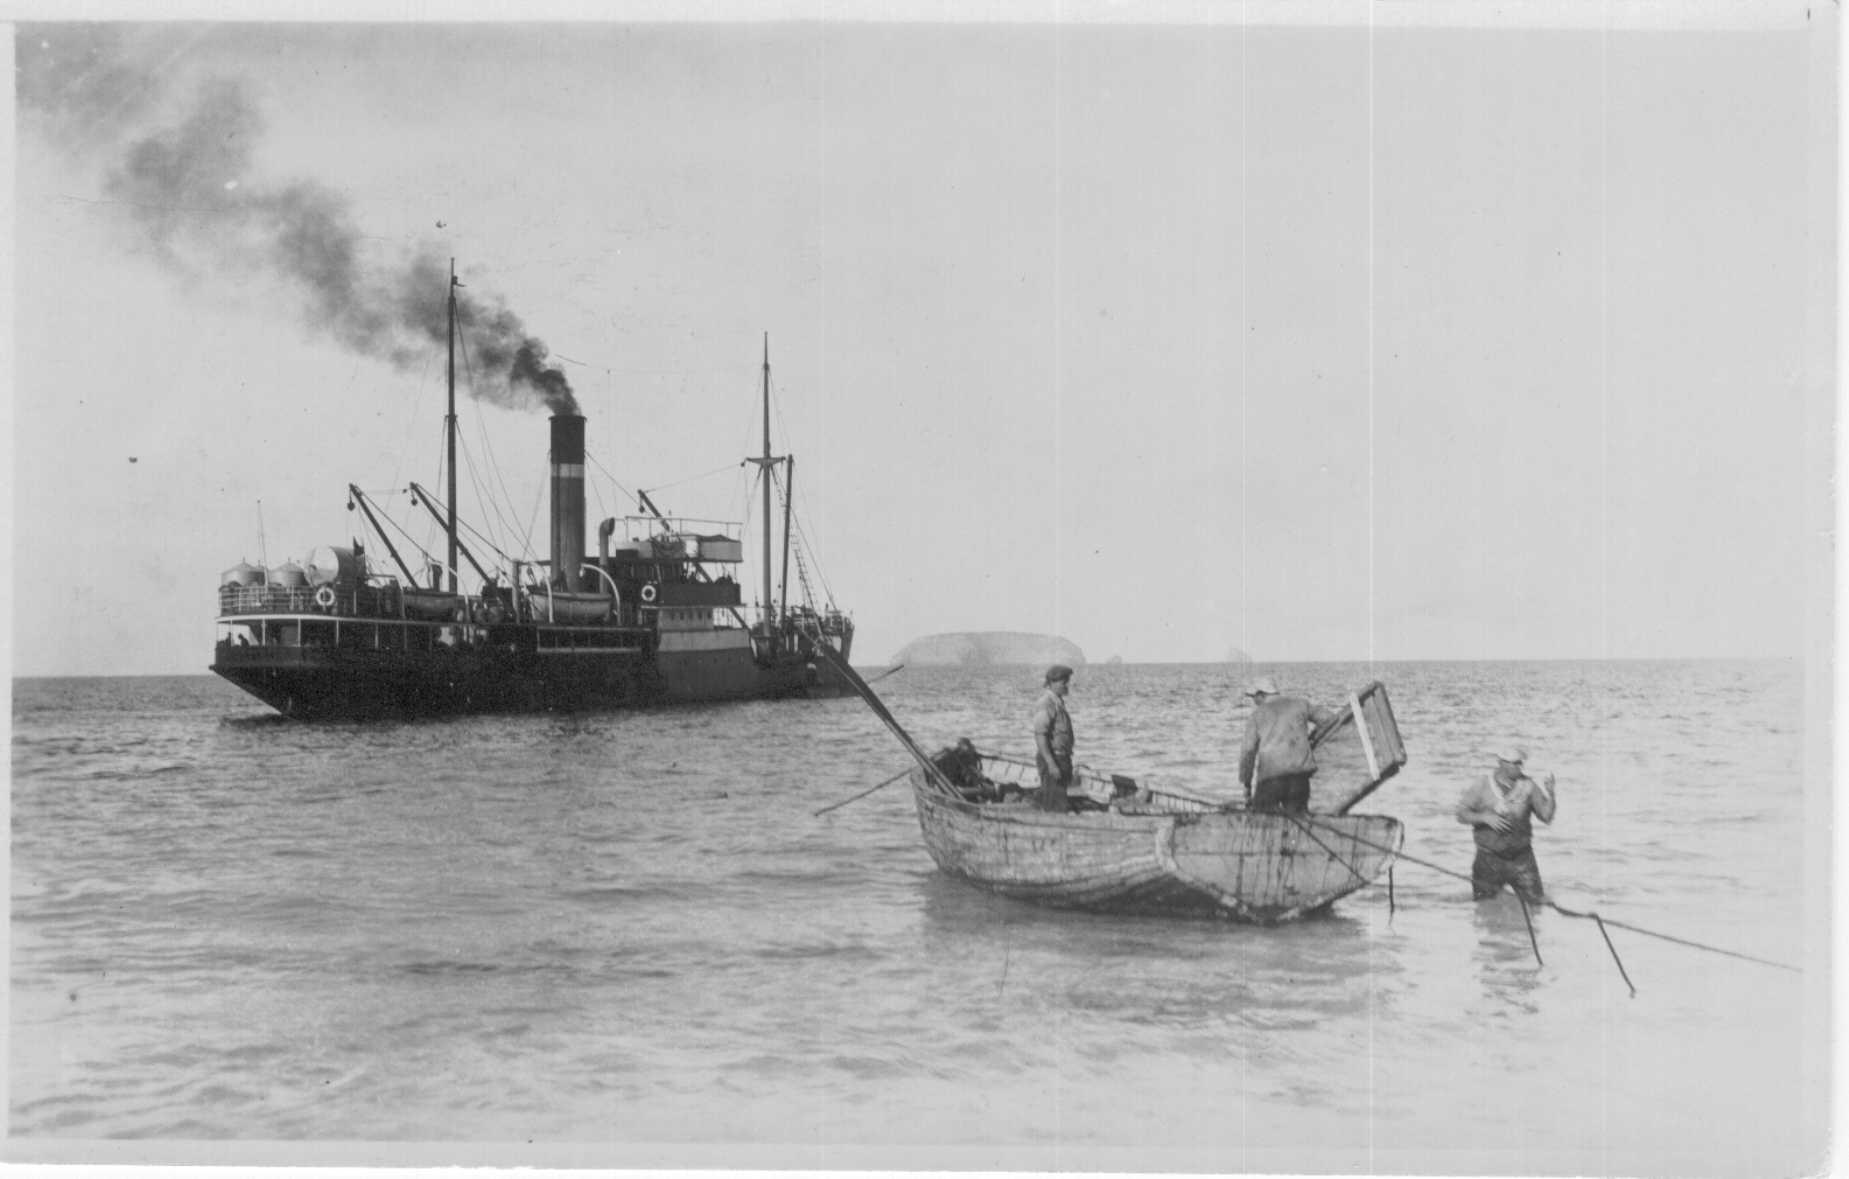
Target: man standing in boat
(1496,808)
(1053,740)
(1276,763)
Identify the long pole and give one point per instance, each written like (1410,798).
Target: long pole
(869,790)
(449,424)
(833,658)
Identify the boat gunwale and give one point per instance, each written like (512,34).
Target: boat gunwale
(1029,815)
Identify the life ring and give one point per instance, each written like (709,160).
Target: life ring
(649,593)
(325,597)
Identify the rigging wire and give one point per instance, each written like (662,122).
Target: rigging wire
(614,482)
(603,509)
(404,446)
(492,506)
(805,546)
(533,517)
(693,478)
(803,542)
(402,531)
(802,535)
(475,484)
(442,470)
(785,496)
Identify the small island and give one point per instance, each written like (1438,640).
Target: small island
(989,648)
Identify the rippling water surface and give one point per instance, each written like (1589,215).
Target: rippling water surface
(628,931)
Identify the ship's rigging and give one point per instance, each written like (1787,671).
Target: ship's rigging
(474,619)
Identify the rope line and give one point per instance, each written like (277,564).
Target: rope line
(1590,916)
(1604,921)
(1304,826)
(837,805)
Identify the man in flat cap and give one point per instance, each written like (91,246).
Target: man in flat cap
(1053,740)
(1496,808)
(1276,763)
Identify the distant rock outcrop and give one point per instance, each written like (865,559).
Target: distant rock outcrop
(1235,655)
(984,647)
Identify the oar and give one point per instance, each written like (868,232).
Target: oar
(882,675)
(833,805)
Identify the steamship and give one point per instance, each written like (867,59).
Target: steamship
(655,616)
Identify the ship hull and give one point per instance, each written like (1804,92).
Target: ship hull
(659,620)
(310,683)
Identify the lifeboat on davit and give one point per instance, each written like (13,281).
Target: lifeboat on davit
(571,606)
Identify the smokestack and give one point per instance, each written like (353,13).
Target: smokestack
(567,498)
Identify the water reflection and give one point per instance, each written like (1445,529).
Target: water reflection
(1153,971)
(1504,955)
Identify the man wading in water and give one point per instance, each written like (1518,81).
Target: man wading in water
(1496,808)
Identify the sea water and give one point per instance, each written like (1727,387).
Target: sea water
(627,936)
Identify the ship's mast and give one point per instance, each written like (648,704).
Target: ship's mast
(449,425)
(764,463)
(764,470)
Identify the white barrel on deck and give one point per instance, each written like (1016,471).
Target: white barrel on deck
(328,565)
(242,573)
(289,575)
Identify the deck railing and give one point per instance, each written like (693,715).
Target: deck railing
(361,601)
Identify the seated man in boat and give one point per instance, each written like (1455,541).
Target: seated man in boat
(1496,808)
(1277,762)
(962,765)
(1053,740)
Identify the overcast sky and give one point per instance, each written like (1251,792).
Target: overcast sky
(1321,340)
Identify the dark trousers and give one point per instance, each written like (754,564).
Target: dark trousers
(1053,782)
(1286,792)
(1517,869)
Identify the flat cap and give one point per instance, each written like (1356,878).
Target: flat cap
(1058,671)
(1264,685)
(1513,754)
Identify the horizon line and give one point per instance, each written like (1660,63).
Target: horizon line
(1091,663)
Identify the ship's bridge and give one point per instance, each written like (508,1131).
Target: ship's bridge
(654,538)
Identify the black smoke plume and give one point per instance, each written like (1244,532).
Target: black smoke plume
(189,189)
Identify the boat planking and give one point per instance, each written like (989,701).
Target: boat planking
(1142,851)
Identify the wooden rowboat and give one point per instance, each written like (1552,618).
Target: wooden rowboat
(1142,851)
(1149,851)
